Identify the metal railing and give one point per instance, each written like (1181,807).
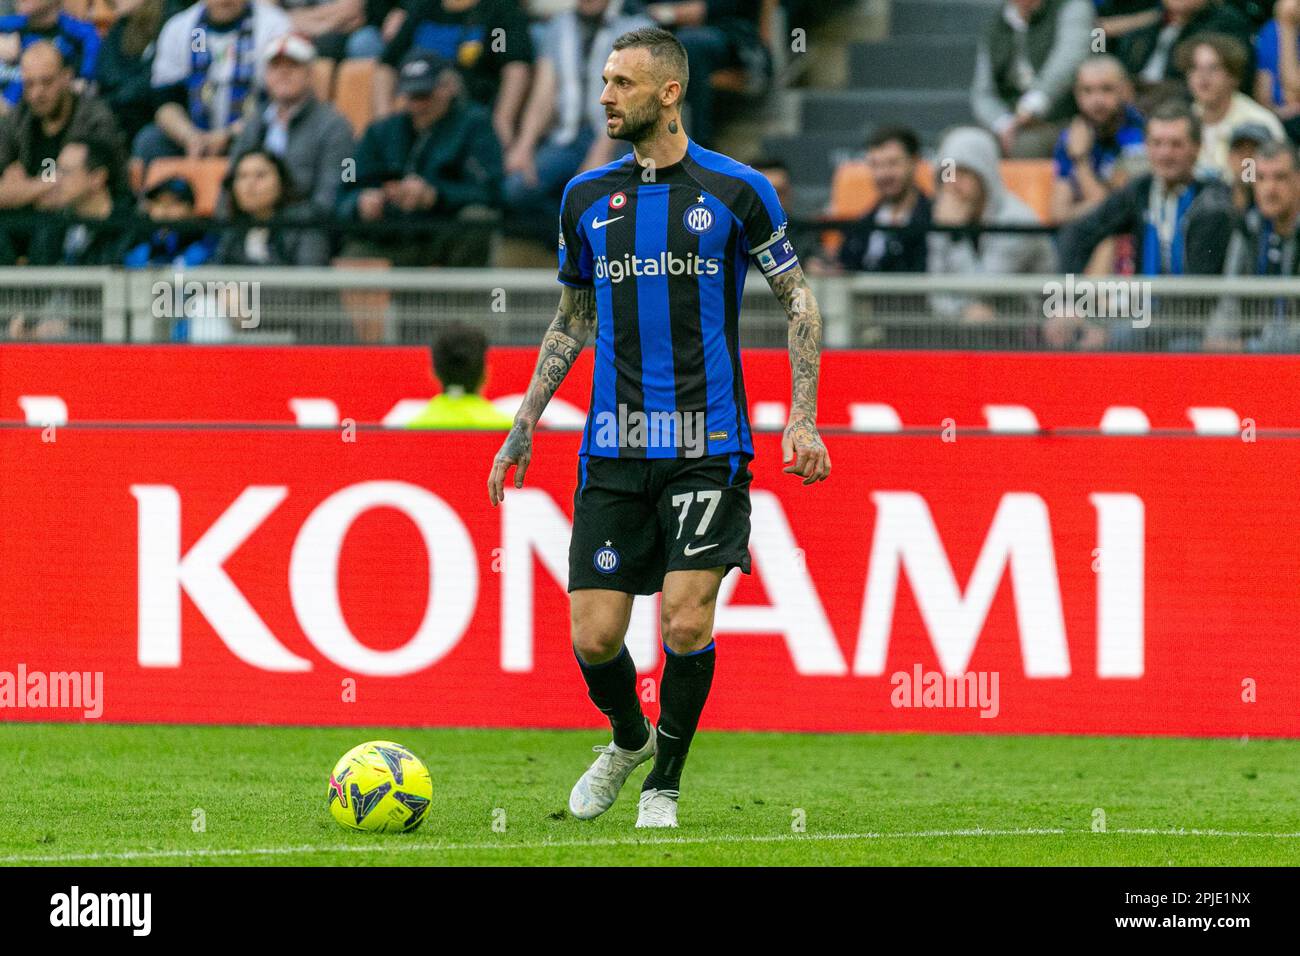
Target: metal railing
(514,306)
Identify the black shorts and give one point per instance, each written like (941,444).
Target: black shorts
(635,519)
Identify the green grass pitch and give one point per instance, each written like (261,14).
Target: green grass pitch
(112,794)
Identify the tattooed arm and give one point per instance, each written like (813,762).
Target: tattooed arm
(573,324)
(801,442)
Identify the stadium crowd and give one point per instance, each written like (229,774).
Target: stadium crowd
(439,113)
(1168,126)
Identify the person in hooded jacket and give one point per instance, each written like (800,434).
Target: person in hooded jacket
(971,196)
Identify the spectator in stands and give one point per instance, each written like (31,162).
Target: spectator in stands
(86,172)
(44,20)
(1242,146)
(83,191)
(1024,66)
(1176,222)
(429,164)
(311,137)
(892,156)
(1214,65)
(975,198)
(1265,242)
(51,114)
(207,68)
(167,203)
(337,27)
(261,189)
(1148,52)
(460,363)
(488,40)
(1179,222)
(125,62)
(1277,57)
(1103,146)
(564,107)
(718,35)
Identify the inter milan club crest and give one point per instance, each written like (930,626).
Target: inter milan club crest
(699,218)
(606,559)
(618,200)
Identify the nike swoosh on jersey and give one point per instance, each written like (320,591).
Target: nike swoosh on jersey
(688,550)
(597,224)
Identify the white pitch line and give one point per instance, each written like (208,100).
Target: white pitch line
(127,855)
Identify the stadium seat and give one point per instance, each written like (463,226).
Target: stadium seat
(322,79)
(1031,180)
(205,176)
(352,92)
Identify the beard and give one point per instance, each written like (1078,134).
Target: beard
(638,124)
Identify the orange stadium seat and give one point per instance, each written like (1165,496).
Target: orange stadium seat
(205,176)
(1031,180)
(352,96)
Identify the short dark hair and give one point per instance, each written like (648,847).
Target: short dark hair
(1275,148)
(1232,53)
(1172,111)
(460,355)
(904,136)
(665,49)
(100,154)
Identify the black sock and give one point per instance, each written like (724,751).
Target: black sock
(685,688)
(612,688)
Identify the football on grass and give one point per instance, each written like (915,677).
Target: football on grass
(380,787)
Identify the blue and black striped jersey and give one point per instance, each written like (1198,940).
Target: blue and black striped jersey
(667,251)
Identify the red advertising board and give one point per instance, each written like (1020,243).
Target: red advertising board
(869,390)
(1139,585)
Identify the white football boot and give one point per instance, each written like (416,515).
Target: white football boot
(657,808)
(597,789)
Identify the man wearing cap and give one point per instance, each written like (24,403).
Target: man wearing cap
(167,203)
(207,68)
(1243,144)
(426,164)
(488,40)
(312,137)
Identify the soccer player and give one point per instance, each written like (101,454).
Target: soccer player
(653,254)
